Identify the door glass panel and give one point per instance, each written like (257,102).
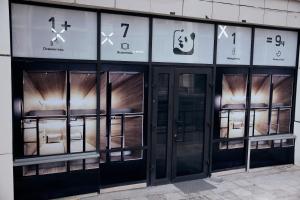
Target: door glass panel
(162,125)
(190,124)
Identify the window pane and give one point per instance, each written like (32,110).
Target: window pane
(52,168)
(52,136)
(236,123)
(30,137)
(83,98)
(259,119)
(284,120)
(116,134)
(133,131)
(92,163)
(162,125)
(223,145)
(224,123)
(282,90)
(260,90)
(133,154)
(103,137)
(264,144)
(42,98)
(90,134)
(29,170)
(127,92)
(103,92)
(76,137)
(280,121)
(76,165)
(234,89)
(236,144)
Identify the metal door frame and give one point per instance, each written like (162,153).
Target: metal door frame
(174,73)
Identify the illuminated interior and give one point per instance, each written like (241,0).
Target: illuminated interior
(233,105)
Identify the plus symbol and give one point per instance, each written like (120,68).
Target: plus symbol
(66,25)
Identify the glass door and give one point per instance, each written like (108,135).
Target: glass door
(181,117)
(191,120)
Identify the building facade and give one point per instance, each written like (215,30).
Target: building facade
(105,93)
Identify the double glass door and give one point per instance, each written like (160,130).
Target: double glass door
(181,123)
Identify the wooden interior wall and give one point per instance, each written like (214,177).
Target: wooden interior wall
(129,93)
(282,90)
(260,93)
(133,131)
(234,89)
(32,96)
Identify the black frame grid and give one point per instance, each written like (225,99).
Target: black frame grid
(147,66)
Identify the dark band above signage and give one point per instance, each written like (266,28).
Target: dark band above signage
(182,42)
(124,37)
(234,45)
(275,47)
(45,32)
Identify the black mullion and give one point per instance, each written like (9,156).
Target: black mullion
(37,137)
(228,119)
(277,120)
(84,132)
(68,118)
(270,104)
(122,136)
(108,117)
(253,122)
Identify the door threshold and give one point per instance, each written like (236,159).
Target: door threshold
(123,187)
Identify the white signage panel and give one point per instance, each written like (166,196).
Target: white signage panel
(182,42)
(45,32)
(124,38)
(234,45)
(275,47)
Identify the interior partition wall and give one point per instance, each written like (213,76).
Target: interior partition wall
(105,98)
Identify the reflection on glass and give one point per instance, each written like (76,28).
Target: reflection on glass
(52,136)
(233,105)
(190,124)
(42,98)
(282,90)
(162,125)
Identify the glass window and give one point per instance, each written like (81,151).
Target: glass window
(233,106)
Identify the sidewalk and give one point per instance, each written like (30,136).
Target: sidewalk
(272,183)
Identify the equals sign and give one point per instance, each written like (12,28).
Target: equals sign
(269,40)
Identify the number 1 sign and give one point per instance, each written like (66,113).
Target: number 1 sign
(234,44)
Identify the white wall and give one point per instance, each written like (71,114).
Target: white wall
(268,12)
(297,122)
(6,164)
